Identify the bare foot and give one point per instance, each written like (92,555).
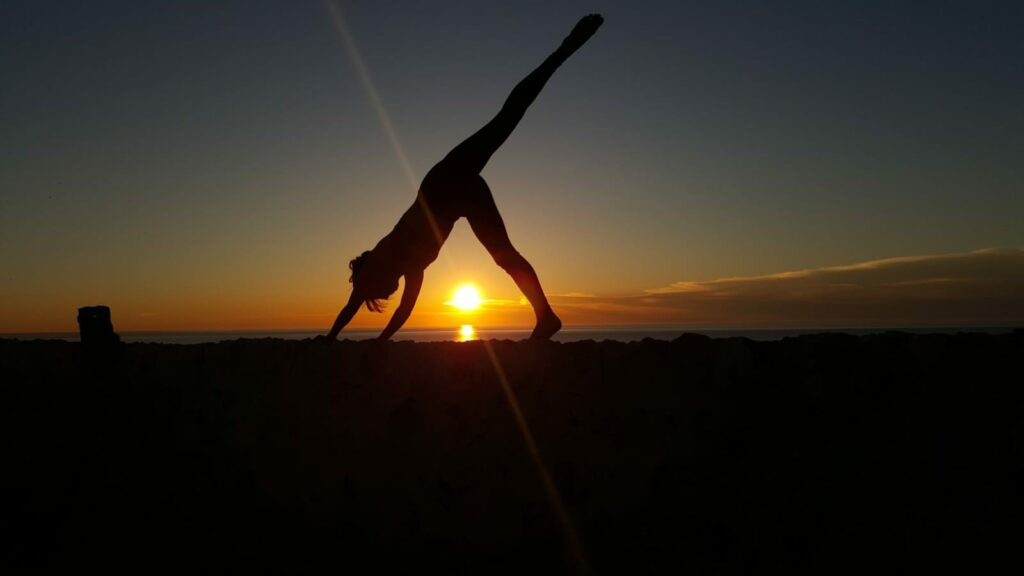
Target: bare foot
(584,29)
(323,340)
(547,325)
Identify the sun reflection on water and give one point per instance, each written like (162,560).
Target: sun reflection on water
(466,333)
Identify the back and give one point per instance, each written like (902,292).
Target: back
(419,234)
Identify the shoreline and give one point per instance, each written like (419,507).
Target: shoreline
(624,333)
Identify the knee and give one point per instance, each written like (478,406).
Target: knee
(508,259)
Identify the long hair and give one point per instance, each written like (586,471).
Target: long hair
(355,265)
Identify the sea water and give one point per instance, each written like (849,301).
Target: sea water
(465,333)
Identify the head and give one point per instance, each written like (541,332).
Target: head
(372,280)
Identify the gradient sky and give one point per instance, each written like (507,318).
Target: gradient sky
(200,165)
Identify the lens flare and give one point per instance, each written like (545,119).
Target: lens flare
(467,297)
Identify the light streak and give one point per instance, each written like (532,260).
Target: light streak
(348,40)
(371,89)
(575,546)
(551,490)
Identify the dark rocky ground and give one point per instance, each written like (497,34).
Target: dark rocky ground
(826,453)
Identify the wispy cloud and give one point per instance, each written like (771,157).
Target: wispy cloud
(979,287)
(575,295)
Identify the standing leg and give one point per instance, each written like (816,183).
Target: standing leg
(473,153)
(489,228)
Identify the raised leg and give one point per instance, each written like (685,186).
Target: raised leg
(474,152)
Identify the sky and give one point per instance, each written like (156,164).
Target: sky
(199,165)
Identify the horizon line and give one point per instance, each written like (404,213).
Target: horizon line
(570,328)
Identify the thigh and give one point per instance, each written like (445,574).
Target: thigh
(471,155)
(485,220)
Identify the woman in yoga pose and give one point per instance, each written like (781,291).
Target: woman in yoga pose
(453,189)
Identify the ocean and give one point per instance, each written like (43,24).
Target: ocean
(468,333)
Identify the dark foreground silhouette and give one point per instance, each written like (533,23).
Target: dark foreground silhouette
(454,189)
(818,454)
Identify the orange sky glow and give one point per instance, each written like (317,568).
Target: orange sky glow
(984,287)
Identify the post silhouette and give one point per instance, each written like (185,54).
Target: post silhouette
(94,326)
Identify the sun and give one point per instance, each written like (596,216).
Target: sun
(466,298)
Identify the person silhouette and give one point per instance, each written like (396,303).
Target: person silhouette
(453,189)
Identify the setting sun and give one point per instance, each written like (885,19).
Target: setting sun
(466,298)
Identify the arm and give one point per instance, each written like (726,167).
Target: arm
(345,315)
(413,282)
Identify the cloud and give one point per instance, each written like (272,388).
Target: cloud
(981,287)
